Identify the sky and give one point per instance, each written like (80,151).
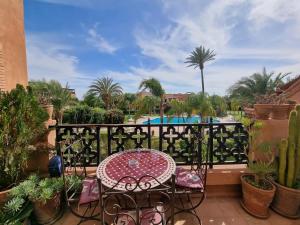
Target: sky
(78,41)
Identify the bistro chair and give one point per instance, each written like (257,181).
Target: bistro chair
(190,183)
(134,201)
(81,189)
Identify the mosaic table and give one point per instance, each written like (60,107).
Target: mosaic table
(124,170)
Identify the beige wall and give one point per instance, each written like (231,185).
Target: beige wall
(295,97)
(13,67)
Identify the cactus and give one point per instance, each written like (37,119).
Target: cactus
(291,165)
(282,161)
(289,152)
(297,165)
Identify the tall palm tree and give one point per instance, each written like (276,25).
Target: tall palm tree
(197,59)
(155,88)
(107,90)
(248,88)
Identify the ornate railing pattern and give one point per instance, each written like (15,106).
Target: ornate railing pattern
(186,143)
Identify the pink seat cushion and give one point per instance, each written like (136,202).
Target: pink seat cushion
(147,217)
(188,178)
(89,192)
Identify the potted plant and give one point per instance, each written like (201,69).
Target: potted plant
(45,196)
(263,107)
(287,197)
(281,107)
(275,106)
(257,191)
(16,211)
(21,121)
(45,102)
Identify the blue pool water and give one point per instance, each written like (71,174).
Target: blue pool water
(176,120)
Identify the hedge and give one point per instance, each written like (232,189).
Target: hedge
(83,114)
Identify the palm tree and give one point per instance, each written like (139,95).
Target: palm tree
(107,90)
(155,88)
(248,88)
(59,96)
(201,104)
(197,59)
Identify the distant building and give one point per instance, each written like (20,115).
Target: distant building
(72,92)
(143,94)
(13,66)
(291,89)
(179,97)
(167,97)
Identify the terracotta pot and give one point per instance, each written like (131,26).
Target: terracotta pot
(281,112)
(37,161)
(256,201)
(263,111)
(49,109)
(49,212)
(286,201)
(4,197)
(250,112)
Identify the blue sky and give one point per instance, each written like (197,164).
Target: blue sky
(77,41)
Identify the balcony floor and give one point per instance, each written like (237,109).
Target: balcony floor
(214,211)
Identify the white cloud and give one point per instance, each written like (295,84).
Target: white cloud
(49,59)
(99,42)
(264,12)
(246,35)
(215,25)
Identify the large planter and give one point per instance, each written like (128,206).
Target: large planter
(262,111)
(281,112)
(37,161)
(49,212)
(49,109)
(4,197)
(286,201)
(256,201)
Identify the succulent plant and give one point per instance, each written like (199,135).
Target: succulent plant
(289,153)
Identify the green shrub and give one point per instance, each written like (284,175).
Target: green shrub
(82,114)
(114,116)
(21,124)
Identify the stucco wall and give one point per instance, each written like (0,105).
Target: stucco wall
(13,67)
(296,97)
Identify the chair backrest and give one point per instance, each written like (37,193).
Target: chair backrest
(138,202)
(74,171)
(200,162)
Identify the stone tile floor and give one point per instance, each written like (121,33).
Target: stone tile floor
(214,211)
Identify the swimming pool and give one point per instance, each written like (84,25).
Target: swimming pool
(177,120)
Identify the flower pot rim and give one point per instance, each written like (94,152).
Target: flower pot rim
(6,191)
(47,105)
(254,187)
(284,187)
(262,104)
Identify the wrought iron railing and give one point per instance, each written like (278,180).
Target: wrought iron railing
(225,143)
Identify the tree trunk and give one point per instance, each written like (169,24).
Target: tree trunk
(60,117)
(161,110)
(202,80)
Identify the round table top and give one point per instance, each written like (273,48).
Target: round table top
(138,167)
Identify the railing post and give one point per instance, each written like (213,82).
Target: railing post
(98,145)
(160,136)
(57,140)
(211,143)
(108,140)
(149,133)
(199,140)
